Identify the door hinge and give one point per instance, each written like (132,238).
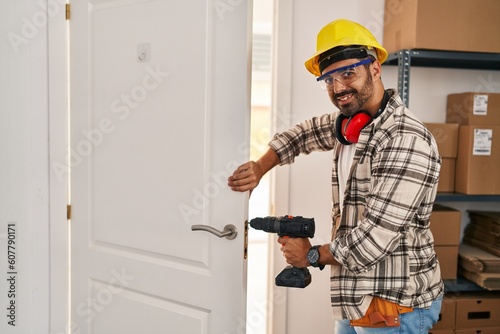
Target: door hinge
(245,242)
(68,212)
(68,11)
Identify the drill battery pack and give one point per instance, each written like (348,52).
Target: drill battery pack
(294,277)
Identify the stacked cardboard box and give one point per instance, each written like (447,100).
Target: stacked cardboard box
(445,228)
(479,330)
(469,144)
(483,231)
(477,313)
(469,313)
(473,108)
(479,256)
(480,267)
(446,136)
(478,156)
(456,25)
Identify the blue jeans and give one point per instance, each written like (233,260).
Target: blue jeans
(420,321)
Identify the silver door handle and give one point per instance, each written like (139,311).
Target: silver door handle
(229,232)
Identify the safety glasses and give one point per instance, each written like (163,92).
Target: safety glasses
(344,75)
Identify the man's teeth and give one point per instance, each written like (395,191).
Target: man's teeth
(344,98)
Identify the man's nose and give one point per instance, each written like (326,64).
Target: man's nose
(338,86)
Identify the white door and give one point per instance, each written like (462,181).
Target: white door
(159,119)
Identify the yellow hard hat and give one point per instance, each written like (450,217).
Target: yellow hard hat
(343,32)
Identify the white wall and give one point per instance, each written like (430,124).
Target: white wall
(304,187)
(24,194)
(24,134)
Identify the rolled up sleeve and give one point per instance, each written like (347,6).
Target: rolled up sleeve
(316,134)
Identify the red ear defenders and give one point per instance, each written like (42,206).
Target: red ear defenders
(347,129)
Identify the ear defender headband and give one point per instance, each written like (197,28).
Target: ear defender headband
(348,129)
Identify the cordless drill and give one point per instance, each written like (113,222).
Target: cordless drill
(293,227)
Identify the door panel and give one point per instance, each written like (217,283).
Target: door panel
(157,315)
(159,114)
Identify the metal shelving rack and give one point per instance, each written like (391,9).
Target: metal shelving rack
(405,59)
(456,197)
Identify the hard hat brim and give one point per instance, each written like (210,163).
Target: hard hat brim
(312,64)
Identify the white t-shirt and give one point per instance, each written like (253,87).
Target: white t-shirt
(345,162)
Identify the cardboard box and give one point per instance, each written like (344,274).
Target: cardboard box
(478,160)
(446,136)
(479,330)
(447,176)
(455,25)
(477,260)
(477,311)
(441,331)
(484,232)
(448,261)
(488,281)
(445,225)
(447,315)
(473,108)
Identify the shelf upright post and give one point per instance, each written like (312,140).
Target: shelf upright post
(404,62)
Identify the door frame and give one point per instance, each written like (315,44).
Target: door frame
(280,180)
(57,49)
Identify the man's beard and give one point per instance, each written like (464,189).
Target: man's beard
(359,98)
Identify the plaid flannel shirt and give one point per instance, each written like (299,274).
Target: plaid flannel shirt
(382,238)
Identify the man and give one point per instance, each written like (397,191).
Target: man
(385,276)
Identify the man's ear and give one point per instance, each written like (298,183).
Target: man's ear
(376,70)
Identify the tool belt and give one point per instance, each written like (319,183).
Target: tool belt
(381,313)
